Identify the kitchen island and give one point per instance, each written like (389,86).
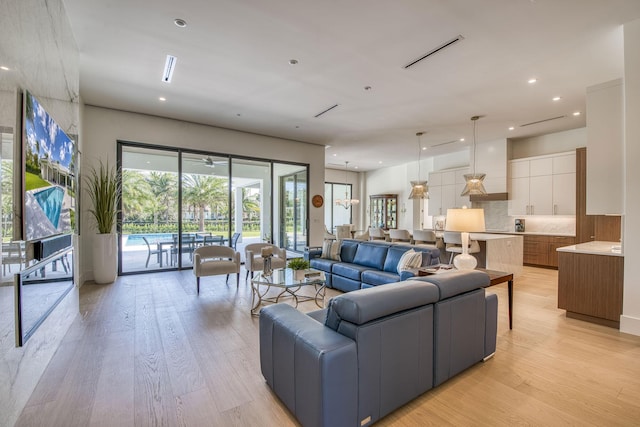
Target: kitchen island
(502,252)
(590,282)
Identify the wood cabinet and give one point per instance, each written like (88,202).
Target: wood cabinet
(540,250)
(544,185)
(383,211)
(444,191)
(590,287)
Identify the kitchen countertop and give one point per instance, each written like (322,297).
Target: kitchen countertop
(531,233)
(490,236)
(595,248)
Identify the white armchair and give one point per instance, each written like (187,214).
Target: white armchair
(343,231)
(398,235)
(254,261)
(214,260)
(422,237)
(377,233)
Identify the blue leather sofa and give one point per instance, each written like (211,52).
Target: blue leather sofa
(366,264)
(374,350)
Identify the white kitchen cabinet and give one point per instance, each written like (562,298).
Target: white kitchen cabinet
(605,159)
(444,191)
(544,185)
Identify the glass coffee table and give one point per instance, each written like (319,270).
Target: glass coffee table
(284,284)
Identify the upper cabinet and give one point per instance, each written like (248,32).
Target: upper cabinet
(605,179)
(444,191)
(544,185)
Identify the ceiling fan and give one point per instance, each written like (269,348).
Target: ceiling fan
(209,162)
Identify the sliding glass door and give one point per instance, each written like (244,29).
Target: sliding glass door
(174,201)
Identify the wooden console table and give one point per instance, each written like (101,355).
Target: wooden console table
(495,278)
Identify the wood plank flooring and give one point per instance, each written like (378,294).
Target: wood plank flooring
(148,351)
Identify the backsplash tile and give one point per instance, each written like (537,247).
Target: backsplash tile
(497,219)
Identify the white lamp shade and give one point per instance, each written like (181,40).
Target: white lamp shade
(469,220)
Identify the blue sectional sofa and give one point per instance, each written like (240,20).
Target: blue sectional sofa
(374,350)
(366,264)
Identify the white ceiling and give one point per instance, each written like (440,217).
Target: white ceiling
(233,67)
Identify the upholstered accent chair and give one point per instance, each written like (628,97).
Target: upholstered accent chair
(214,260)
(376,233)
(253,257)
(343,231)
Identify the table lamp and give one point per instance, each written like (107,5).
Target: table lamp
(465,221)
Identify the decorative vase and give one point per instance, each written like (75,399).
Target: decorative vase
(267,266)
(299,274)
(105,258)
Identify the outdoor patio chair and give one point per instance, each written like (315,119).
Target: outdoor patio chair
(157,252)
(234,240)
(213,240)
(214,260)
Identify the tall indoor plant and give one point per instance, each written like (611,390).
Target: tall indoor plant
(103,187)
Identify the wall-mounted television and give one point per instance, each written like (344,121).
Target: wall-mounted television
(49,174)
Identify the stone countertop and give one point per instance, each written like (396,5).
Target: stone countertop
(594,248)
(490,236)
(531,233)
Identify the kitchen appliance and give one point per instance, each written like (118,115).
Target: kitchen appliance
(519,225)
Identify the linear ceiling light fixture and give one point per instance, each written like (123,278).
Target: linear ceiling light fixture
(542,121)
(169,68)
(326,111)
(435,50)
(474,185)
(419,189)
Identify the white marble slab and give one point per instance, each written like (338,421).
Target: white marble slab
(595,248)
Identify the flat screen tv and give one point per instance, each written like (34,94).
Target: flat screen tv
(49,159)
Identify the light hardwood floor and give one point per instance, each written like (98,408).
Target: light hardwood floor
(147,351)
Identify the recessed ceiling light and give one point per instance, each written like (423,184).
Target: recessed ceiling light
(355,167)
(180,22)
(511,128)
(556,98)
(293,61)
(424,148)
(532,80)
(380,162)
(162,98)
(461,139)
(577,113)
(335,154)
(4,68)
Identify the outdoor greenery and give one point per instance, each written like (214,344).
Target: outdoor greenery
(150,204)
(103,187)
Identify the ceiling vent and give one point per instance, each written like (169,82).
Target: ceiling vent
(435,50)
(444,143)
(542,121)
(169,67)
(326,111)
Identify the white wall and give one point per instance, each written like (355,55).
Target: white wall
(630,319)
(102,128)
(548,144)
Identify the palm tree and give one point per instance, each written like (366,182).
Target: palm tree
(250,204)
(201,191)
(136,194)
(164,188)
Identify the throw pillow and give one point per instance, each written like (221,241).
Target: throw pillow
(331,250)
(410,259)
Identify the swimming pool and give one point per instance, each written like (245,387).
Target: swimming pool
(152,238)
(50,200)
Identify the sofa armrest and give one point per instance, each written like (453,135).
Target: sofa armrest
(311,368)
(491,325)
(312,252)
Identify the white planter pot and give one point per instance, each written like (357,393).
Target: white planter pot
(105,258)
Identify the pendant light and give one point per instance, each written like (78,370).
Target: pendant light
(346,202)
(474,185)
(419,189)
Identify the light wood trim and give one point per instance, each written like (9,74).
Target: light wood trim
(584,222)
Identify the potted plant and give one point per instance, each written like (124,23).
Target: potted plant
(103,187)
(299,267)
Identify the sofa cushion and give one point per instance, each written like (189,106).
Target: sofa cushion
(365,305)
(375,277)
(393,257)
(430,255)
(331,250)
(457,282)
(409,260)
(322,264)
(348,250)
(371,255)
(351,271)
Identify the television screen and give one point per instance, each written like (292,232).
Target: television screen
(49,174)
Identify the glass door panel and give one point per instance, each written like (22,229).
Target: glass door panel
(205,205)
(292,212)
(251,195)
(149,209)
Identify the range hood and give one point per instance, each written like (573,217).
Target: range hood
(490,197)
